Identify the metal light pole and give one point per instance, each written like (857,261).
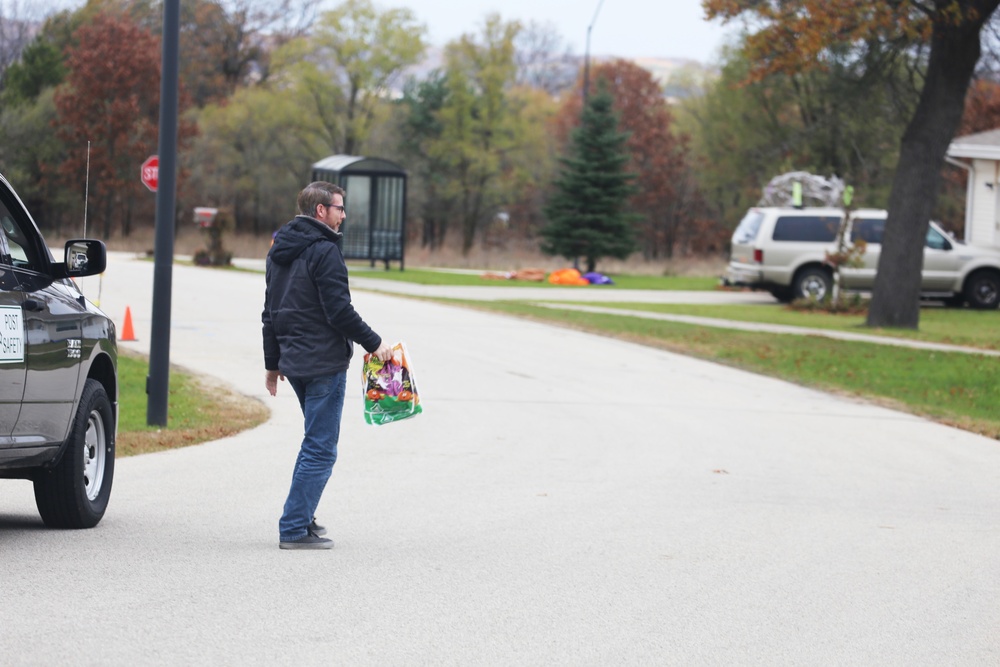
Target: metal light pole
(586,55)
(586,83)
(158,382)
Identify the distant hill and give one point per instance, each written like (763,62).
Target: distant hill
(661,68)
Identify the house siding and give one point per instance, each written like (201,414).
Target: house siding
(983,221)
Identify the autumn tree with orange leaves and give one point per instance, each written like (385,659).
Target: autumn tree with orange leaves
(940,40)
(666,195)
(111,100)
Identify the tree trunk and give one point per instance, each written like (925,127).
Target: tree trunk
(427,230)
(954,53)
(472,211)
(350,139)
(468,233)
(127,223)
(107,222)
(256,214)
(671,227)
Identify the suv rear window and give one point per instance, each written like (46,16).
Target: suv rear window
(748,227)
(810,228)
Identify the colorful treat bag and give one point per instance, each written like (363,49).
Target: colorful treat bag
(390,390)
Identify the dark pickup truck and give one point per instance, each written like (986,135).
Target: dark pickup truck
(58,372)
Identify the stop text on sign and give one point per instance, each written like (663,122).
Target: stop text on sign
(149,173)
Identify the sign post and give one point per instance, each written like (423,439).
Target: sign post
(149,173)
(158,382)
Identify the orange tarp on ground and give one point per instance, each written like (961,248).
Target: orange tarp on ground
(567,277)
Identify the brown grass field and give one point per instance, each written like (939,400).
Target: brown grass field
(511,256)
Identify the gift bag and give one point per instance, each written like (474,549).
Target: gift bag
(390,390)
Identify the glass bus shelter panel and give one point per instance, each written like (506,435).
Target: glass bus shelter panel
(389,212)
(387,238)
(358,223)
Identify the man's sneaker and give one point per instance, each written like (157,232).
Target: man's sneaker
(317,529)
(310,541)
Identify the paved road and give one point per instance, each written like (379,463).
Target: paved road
(564,499)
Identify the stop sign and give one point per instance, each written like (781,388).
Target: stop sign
(150,172)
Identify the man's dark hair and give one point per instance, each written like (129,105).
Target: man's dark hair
(316,193)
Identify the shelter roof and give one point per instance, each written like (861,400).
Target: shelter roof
(357,163)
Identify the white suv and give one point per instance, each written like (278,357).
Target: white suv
(783,250)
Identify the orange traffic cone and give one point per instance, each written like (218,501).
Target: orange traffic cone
(127,332)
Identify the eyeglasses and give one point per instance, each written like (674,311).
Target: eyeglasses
(339,208)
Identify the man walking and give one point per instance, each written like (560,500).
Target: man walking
(310,328)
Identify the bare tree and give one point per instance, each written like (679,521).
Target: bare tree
(18,25)
(254,28)
(542,60)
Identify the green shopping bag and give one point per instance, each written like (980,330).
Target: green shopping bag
(390,390)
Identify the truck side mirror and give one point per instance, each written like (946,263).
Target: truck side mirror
(84,257)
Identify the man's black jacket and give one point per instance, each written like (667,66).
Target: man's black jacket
(308,318)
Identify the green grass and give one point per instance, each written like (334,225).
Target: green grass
(132,399)
(954,326)
(195,412)
(432,277)
(958,389)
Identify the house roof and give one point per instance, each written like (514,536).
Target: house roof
(982,146)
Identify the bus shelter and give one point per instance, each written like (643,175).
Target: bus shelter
(376,205)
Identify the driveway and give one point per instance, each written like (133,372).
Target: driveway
(564,499)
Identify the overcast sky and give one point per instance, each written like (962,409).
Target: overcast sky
(627,28)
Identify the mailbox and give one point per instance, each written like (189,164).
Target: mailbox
(204,216)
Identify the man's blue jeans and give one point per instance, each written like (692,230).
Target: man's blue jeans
(322,401)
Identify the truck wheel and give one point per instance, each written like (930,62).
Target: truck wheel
(982,289)
(812,283)
(74,493)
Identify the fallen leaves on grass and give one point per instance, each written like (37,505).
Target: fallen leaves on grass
(227,413)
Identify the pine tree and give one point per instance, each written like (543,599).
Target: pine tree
(587,216)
